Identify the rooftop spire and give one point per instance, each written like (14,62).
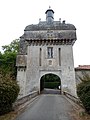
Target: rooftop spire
(49,15)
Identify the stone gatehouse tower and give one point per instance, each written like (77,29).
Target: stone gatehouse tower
(46,48)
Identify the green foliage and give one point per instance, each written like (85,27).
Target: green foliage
(8,86)
(52,85)
(12,47)
(8,93)
(50,81)
(7,64)
(83,91)
(51,78)
(8,58)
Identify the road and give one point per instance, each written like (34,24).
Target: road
(51,91)
(48,107)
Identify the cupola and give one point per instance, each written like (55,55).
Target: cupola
(49,15)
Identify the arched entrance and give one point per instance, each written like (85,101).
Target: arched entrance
(50,81)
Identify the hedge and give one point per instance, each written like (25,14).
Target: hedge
(8,94)
(83,91)
(52,85)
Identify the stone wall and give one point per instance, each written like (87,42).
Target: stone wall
(80,73)
(34,71)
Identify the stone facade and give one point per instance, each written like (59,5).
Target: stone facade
(46,48)
(81,71)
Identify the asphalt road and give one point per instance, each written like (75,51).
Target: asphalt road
(48,107)
(51,91)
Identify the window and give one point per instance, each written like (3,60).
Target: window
(40,57)
(59,51)
(50,52)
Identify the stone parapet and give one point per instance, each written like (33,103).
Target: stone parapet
(54,35)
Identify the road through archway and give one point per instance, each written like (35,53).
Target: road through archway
(50,83)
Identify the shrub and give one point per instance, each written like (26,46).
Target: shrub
(52,85)
(83,91)
(8,94)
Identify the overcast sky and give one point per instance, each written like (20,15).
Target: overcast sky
(15,15)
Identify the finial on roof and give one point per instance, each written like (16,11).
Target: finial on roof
(49,6)
(63,21)
(39,19)
(60,20)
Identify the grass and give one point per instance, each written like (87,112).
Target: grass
(9,116)
(81,115)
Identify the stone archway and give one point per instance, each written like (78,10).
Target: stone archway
(50,81)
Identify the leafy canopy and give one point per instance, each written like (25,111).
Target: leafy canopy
(12,47)
(8,86)
(8,59)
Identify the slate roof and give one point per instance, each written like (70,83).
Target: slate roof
(56,25)
(48,32)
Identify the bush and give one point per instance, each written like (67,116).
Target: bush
(52,85)
(83,91)
(8,94)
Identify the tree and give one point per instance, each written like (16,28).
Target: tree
(50,81)
(9,88)
(83,91)
(12,47)
(8,59)
(8,62)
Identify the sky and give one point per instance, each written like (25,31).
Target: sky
(15,15)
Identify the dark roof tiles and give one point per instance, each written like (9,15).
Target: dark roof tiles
(56,25)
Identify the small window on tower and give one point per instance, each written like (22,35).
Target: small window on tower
(50,52)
